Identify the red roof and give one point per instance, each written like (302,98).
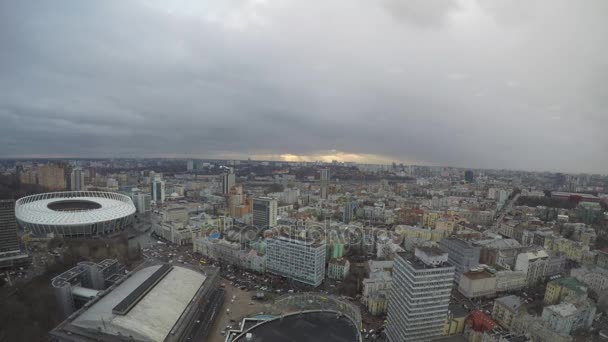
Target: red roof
(481,322)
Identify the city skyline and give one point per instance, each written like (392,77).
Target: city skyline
(458,82)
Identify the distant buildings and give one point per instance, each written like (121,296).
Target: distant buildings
(228,181)
(264,212)
(238,204)
(420,295)
(77,180)
(51,177)
(298,259)
(324,183)
(158,190)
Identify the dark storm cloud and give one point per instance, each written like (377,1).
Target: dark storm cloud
(467,83)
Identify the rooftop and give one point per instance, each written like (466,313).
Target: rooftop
(512,302)
(153,316)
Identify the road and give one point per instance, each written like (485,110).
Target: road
(505,209)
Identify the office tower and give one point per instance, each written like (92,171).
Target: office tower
(190,165)
(419,295)
(264,212)
(299,259)
(51,177)
(77,180)
(324,182)
(142,202)
(158,191)
(462,254)
(228,180)
(9,242)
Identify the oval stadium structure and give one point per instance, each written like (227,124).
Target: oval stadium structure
(75,213)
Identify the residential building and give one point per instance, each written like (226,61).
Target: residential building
(228,181)
(264,212)
(455,321)
(77,180)
(324,183)
(565,318)
(596,278)
(377,285)
(557,290)
(299,259)
(420,295)
(534,264)
(505,309)
(349,211)
(462,254)
(338,268)
(52,177)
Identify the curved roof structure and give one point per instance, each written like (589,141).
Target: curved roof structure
(40,208)
(75,212)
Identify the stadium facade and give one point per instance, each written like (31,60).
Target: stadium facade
(75,213)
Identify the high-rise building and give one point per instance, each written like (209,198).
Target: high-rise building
(324,182)
(228,180)
(158,190)
(420,295)
(190,165)
(469,176)
(9,242)
(349,211)
(299,259)
(238,204)
(142,202)
(77,180)
(51,177)
(264,212)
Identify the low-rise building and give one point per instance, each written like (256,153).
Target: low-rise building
(596,278)
(564,318)
(377,285)
(477,283)
(559,289)
(505,309)
(338,268)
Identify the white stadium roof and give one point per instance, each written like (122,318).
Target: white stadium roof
(35,209)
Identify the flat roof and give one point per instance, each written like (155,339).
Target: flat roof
(305,327)
(154,315)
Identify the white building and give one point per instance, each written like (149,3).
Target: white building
(298,259)
(420,295)
(77,180)
(338,268)
(534,264)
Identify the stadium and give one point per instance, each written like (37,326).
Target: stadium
(75,213)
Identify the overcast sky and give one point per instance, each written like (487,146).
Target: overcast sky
(472,83)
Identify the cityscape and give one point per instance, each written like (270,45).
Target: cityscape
(248,250)
(303,171)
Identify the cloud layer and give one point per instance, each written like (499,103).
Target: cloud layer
(492,83)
